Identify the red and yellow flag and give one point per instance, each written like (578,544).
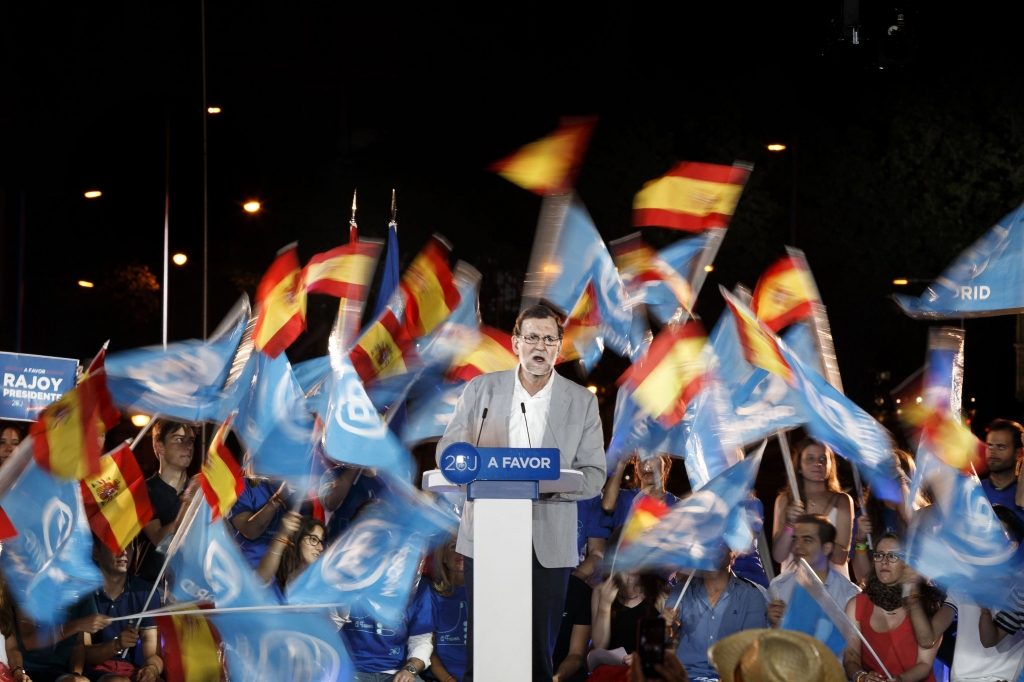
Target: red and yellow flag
(282,304)
(69,432)
(691,196)
(191,647)
(385,349)
(583,326)
(647,511)
(760,347)
(116,502)
(220,475)
(670,373)
(944,437)
(492,354)
(549,165)
(429,288)
(639,264)
(7,529)
(785,294)
(344,272)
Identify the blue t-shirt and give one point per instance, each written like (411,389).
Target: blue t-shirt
(625,502)
(366,488)
(252,499)
(376,648)
(451,623)
(128,603)
(1004,497)
(591,522)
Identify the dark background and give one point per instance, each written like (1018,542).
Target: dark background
(902,153)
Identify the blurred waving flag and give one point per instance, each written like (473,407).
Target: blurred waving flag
(281,304)
(220,476)
(813,611)
(582,339)
(691,196)
(698,529)
(760,346)
(430,410)
(274,423)
(786,293)
(549,165)
(69,431)
(670,373)
(493,353)
(191,647)
(344,272)
(711,443)
(568,256)
(48,565)
(644,515)
(116,501)
(429,288)
(192,381)
(984,280)
(7,529)
(385,349)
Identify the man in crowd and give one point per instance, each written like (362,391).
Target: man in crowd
(122,651)
(813,539)
(715,606)
(174,444)
(531,405)
(1003,457)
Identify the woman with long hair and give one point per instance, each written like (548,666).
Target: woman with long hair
(451,615)
(880,613)
(649,477)
(820,493)
(298,542)
(11,435)
(882,516)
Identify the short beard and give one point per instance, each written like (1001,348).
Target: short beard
(1010,466)
(536,374)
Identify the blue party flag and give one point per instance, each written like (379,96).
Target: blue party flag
(430,411)
(813,611)
(373,564)
(192,381)
(274,422)
(698,529)
(568,255)
(984,280)
(48,565)
(708,440)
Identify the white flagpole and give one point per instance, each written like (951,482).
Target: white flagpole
(787,459)
(176,610)
(689,579)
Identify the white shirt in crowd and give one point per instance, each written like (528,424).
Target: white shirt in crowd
(537,407)
(972,662)
(837,586)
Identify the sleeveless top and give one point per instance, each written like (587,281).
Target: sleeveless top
(623,627)
(897,648)
(833,516)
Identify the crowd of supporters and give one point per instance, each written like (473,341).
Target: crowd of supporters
(907,622)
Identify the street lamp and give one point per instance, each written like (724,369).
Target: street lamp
(85,284)
(213,110)
(251,206)
(93,194)
(140,420)
(776,147)
(179,259)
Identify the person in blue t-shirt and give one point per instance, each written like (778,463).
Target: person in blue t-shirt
(342,491)
(384,654)
(1005,451)
(256,515)
(451,615)
(593,527)
(298,543)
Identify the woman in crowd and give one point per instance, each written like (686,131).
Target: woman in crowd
(881,615)
(649,476)
(882,516)
(818,483)
(298,542)
(616,607)
(11,435)
(451,615)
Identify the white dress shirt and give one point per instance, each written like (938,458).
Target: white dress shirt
(537,407)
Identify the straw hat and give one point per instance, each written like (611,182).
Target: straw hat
(764,655)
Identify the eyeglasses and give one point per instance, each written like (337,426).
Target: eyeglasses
(887,557)
(313,541)
(532,339)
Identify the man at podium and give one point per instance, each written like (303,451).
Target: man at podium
(532,406)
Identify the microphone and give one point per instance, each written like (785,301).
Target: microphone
(483,417)
(522,406)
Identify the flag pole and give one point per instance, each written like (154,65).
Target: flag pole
(787,459)
(176,610)
(689,579)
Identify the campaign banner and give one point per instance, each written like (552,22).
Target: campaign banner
(31,382)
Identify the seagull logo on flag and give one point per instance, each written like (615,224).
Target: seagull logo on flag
(56,516)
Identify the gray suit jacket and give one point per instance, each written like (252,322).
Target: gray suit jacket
(574,427)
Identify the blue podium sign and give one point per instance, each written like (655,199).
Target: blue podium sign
(462,463)
(31,382)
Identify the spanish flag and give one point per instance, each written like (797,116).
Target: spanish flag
(760,346)
(944,437)
(549,165)
(282,304)
(691,196)
(116,502)
(69,431)
(344,272)
(492,354)
(670,373)
(191,648)
(639,264)
(582,327)
(220,475)
(646,513)
(429,288)
(785,294)
(7,529)
(384,350)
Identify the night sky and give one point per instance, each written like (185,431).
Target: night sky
(897,168)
